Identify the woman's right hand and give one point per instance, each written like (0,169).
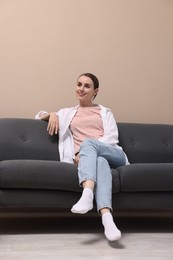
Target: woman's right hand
(53,124)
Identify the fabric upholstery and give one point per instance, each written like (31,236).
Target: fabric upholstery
(42,174)
(32,177)
(147,143)
(26,139)
(146,177)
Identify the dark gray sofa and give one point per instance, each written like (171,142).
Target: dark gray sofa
(32,179)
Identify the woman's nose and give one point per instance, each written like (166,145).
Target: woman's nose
(81,88)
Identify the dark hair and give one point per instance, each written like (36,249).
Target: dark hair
(92,77)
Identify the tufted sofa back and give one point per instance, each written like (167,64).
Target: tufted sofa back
(147,143)
(26,139)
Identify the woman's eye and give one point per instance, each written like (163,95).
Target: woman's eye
(87,86)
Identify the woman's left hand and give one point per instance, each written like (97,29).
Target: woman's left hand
(76,160)
(53,124)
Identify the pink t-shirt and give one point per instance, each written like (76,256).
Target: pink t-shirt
(87,123)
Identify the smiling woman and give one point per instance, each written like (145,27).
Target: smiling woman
(87,88)
(88,136)
(91,81)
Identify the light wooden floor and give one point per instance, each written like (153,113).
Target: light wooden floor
(82,238)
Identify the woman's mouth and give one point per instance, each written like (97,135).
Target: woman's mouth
(80,94)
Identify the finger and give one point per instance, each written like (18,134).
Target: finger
(51,131)
(49,125)
(56,129)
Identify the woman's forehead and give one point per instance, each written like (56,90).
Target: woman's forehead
(85,79)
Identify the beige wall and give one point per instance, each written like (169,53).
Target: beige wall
(128,44)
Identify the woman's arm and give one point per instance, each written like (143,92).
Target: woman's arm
(53,122)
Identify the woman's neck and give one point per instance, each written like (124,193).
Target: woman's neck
(86,104)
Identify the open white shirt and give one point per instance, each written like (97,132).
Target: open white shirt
(66,143)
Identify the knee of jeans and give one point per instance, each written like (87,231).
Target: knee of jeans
(86,143)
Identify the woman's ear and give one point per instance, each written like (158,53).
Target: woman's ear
(96,91)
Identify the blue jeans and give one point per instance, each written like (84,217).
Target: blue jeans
(96,161)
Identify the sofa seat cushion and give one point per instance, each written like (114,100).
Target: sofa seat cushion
(38,174)
(41,174)
(146,177)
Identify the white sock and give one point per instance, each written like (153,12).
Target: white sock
(112,233)
(85,203)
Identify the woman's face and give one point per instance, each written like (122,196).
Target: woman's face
(85,91)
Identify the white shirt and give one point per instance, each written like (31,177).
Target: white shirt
(66,143)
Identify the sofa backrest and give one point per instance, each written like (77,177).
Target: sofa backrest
(147,143)
(27,139)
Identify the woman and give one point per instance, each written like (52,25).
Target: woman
(88,136)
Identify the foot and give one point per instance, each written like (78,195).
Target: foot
(111,231)
(85,203)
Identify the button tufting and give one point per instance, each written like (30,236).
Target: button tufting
(23,138)
(165,142)
(133,142)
